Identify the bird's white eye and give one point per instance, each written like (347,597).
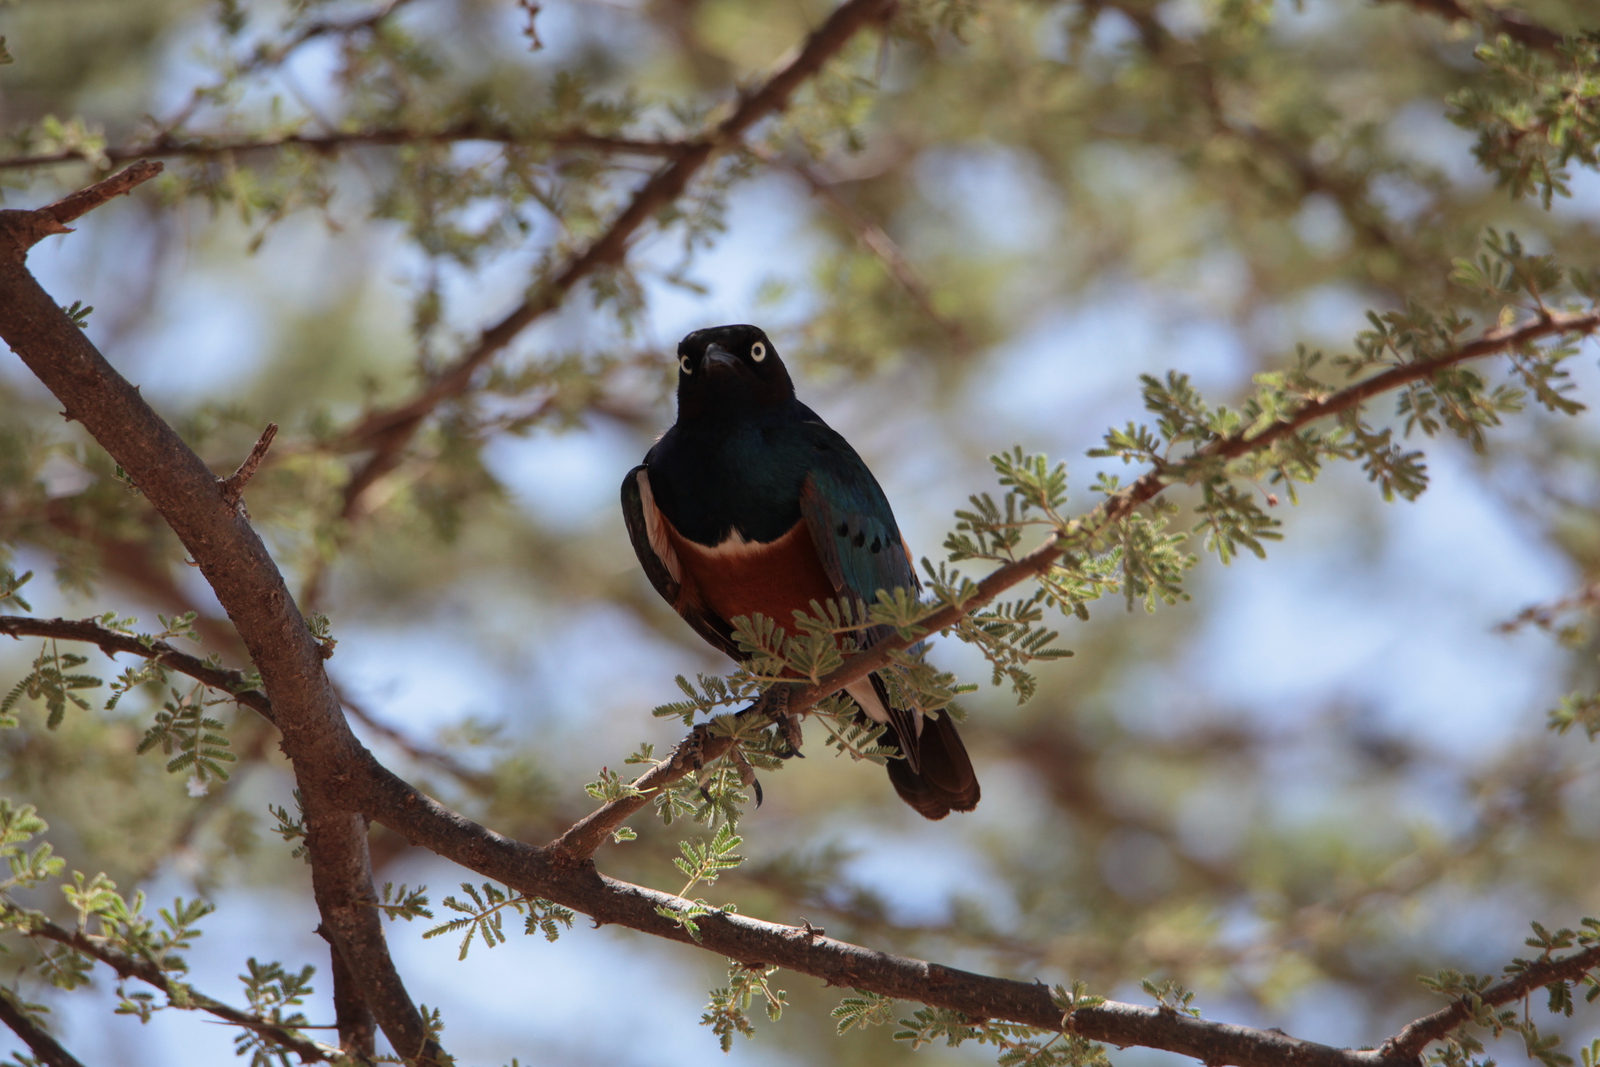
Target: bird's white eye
(758,351)
(683,364)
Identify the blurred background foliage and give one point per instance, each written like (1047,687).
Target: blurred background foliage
(1325,774)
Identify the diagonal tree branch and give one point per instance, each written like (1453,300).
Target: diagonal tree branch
(549,874)
(152,975)
(589,833)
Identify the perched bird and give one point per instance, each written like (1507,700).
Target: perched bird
(751,503)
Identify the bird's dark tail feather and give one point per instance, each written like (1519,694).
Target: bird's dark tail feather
(945,781)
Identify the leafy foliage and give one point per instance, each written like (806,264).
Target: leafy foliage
(194,741)
(483,915)
(727,1012)
(52,680)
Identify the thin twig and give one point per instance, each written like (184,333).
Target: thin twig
(179,992)
(233,683)
(198,147)
(1544,615)
(476,780)
(233,485)
(271,57)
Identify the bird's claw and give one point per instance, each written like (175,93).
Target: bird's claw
(774,703)
(747,773)
(691,750)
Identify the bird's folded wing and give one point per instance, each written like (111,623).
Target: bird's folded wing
(647,529)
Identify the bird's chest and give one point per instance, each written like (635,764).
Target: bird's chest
(744,481)
(740,577)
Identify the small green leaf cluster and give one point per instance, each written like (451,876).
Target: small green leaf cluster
(1462,1045)
(702,861)
(1535,113)
(705,861)
(403,902)
(1171,996)
(1020,1046)
(292,827)
(483,915)
(194,740)
(103,916)
(1577,709)
(18,826)
(78,314)
(52,680)
(864,1009)
(728,1012)
(271,991)
(10,582)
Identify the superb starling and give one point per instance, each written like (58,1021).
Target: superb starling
(751,503)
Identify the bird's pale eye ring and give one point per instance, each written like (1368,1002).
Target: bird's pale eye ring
(683,365)
(758,351)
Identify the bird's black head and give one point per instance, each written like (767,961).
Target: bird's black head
(726,369)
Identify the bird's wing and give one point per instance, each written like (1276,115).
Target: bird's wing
(855,534)
(647,529)
(850,520)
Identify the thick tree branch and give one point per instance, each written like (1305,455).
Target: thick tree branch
(47,1048)
(234,561)
(543,873)
(234,683)
(149,973)
(388,432)
(358,1030)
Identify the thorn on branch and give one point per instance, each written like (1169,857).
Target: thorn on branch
(232,486)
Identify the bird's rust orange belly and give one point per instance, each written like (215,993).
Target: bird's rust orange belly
(774,579)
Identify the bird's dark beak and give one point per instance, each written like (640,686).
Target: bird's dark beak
(719,360)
